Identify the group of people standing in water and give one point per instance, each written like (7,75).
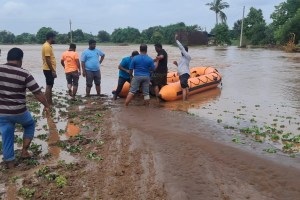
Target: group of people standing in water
(139,70)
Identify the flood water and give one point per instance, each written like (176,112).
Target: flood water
(259,88)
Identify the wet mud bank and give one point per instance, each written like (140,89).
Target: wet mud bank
(194,159)
(138,152)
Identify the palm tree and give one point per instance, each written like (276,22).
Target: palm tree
(217,6)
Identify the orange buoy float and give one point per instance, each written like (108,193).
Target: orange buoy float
(124,91)
(202,78)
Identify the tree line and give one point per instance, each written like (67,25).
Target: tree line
(285,25)
(156,34)
(285,18)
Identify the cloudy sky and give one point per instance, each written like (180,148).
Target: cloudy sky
(19,16)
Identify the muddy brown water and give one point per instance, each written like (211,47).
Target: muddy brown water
(259,89)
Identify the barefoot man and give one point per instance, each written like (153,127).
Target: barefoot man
(14,81)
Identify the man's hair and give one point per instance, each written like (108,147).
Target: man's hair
(134,53)
(15,54)
(92,41)
(143,48)
(72,46)
(158,45)
(50,35)
(186,48)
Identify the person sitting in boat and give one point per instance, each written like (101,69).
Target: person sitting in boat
(124,75)
(183,68)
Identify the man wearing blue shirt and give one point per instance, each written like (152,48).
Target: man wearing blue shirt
(124,75)
(91,67)
(141,65)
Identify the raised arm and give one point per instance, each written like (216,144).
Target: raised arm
(180,46)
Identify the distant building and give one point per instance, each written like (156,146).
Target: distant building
(194,38)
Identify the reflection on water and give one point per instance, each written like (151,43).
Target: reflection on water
(194,101)
(53,138)
(72,130)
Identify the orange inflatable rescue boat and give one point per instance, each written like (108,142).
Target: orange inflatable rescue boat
(201,79)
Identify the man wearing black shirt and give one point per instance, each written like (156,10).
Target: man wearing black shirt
(159,78)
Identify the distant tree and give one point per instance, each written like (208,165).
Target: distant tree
(77,35)
(285,21)
(25,38)
(236,31)
(62,39)
(217,6)
(147,34)
(88,36)
(221,34)
(103,36)
(7,37)
(255,27)
(157,37)
(129,34)
(42,32)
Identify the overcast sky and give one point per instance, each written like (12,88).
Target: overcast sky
(91,16)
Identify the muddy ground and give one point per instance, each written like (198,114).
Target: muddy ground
(150,153)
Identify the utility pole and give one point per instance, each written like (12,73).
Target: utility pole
(241,37)
(70,31)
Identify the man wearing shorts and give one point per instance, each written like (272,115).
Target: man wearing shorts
(141,65)
(71,64)
(124,75)
(183,68)
(49,65)
(159,77)
(90,64)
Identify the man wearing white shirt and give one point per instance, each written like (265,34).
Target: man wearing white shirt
(183,68)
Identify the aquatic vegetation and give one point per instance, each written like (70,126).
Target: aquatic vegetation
(219,120)
(274,137)
(51,176)
(74,149)
(99,115)
(60,181)
(72,115)
(35,148)
(61,162)
(93,156)
(237,140)
(61,131)
(47,155)
(287,147)
(18,140)
(46,193)
(32,162)
(43,171)
(26,192)
(14,178)
(295,139)
(228,127)
(45,127)
(270,150)
(42,136)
